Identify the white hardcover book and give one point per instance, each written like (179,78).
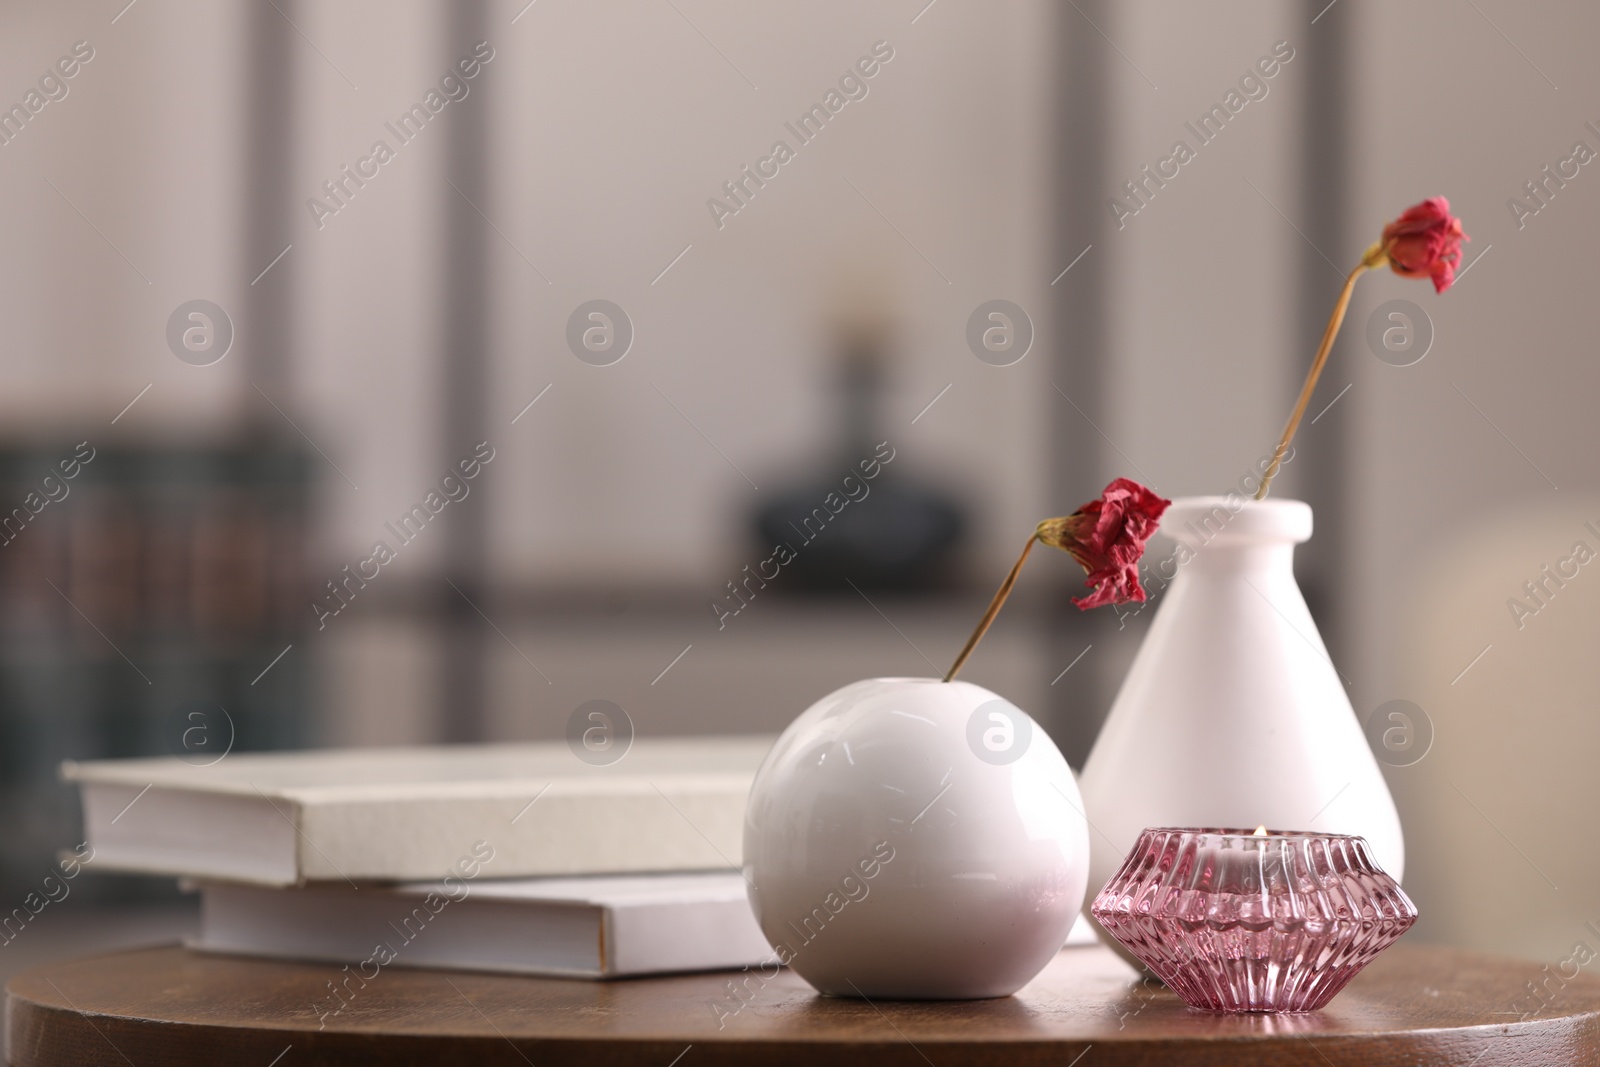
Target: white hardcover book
(605,927)
(407,814)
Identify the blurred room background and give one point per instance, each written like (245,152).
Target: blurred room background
(381,329)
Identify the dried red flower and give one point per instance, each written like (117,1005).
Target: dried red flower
(1107,537)
(1425,242)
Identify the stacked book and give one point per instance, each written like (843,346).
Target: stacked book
(515,857)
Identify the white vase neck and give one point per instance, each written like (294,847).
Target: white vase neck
(1234,522)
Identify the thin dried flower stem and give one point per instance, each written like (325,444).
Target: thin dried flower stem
(1328,335)
(994,609)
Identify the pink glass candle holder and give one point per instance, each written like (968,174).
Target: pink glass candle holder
(1233,920)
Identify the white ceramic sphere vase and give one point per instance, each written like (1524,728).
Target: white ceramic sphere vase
(1232,713)
(911,838)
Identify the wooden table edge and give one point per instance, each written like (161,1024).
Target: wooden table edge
(43,1029)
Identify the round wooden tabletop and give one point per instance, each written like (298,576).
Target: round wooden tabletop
(173,1007)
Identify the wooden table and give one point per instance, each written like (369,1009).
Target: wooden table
(169,1007)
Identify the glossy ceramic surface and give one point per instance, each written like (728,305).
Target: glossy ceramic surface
(1232,713)
(908,837)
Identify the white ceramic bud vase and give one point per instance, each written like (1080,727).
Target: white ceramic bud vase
(912,838)
(1232,714)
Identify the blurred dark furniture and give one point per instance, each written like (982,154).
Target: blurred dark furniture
(137,612)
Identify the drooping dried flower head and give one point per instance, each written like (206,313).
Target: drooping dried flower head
(1424,242)
(1107,537)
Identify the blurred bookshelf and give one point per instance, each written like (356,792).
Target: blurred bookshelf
(141,597)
